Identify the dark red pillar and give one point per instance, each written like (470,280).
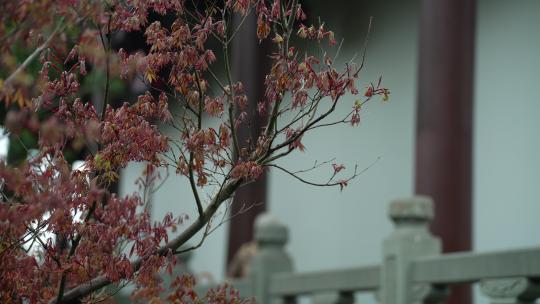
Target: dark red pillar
(444,121)
(250,64)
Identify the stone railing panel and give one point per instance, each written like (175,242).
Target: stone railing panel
(413,270)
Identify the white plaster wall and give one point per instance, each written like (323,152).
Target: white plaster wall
(507,125)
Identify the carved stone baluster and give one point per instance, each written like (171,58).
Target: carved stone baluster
(411,239)
(430,294)
(511,291)
(345,298)
(286,300)
(333,298)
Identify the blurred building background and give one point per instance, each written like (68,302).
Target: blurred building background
(333,229)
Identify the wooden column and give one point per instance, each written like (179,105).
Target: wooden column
(444,121)
(250,64)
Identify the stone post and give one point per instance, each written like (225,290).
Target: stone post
(271,258)
(410,239)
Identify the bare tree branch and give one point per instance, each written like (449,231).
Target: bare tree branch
(102,281)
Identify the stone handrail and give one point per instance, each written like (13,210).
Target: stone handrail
(413,269)
(468,267)
(344,280)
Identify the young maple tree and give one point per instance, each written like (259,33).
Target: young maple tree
(64,233)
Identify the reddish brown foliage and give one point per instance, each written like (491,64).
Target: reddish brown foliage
(82,236)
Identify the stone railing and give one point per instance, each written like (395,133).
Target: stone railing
(412,271)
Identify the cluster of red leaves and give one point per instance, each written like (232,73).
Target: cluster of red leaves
(182,292)
(46,185)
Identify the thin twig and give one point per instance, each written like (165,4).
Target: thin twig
(106,49)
